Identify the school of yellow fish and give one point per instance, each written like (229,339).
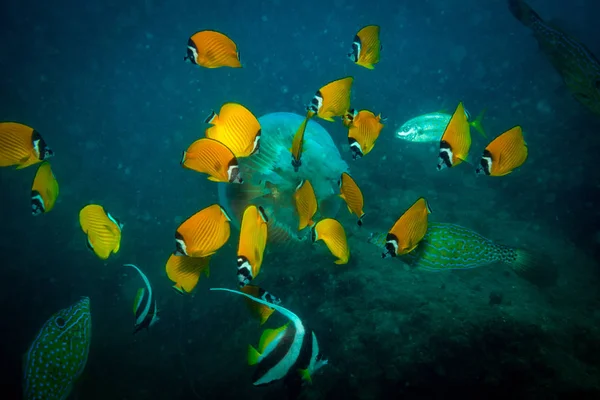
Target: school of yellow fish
(233,133)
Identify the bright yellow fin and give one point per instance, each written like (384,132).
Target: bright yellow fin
(253,355)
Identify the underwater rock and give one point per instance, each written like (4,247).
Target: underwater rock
(495,298)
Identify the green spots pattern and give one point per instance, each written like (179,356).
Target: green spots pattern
(449,246)
(58,354)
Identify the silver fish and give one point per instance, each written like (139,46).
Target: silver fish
(429,128)
(58,354)
(426,128)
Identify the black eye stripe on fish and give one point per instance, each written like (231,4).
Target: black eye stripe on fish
(445,156)
(356,149)
(316,103)
(233,174)
(355,52)
(180,248)
(244,272)
(391,245)
(485,163)
(37,203)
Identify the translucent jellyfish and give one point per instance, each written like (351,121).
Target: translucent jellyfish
(270,180)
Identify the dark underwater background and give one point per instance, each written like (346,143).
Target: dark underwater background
(105,84)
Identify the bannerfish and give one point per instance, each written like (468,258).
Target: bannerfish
(408,231)
(306,204)
(290,352)
(102,229)
(211,157)
(298,145)
(366,47)
(22,146)
(144,305)
(456,140)
(202,234)
(258,310)
(429,128)
(212,49)
(251,246)
(332,100)
(236,127)
(57,356)
(352,195)
(364,128)
(333,234)
(449,246)
(44,190)
(505,153)
(577,65)
(185,271)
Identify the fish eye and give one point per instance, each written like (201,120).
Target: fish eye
(60,322)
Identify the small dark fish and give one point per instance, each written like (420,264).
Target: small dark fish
(579,68)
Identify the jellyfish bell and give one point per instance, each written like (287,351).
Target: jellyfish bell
(270,180)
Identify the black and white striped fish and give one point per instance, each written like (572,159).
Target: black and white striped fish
(144,306)
(290,352)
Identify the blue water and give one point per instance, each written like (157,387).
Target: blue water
(106,85)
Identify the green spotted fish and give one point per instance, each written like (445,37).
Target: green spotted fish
(58,354)
(449,246)
(579,68)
